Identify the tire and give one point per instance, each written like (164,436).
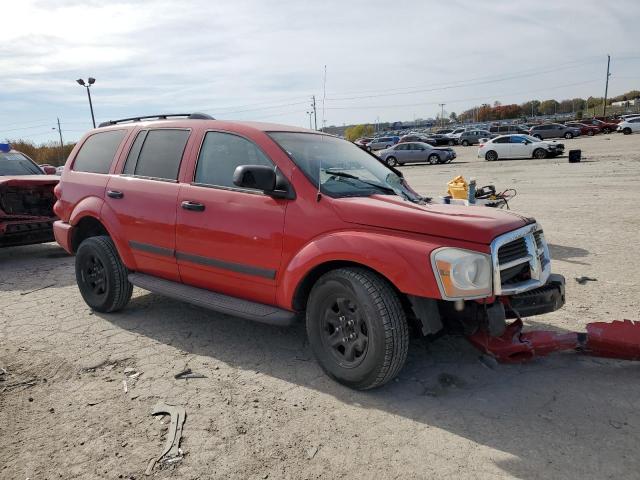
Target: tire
(465,143)
(568,135)
(538,136)
(491,156)
(391,161)
(360,351)
(388,146)
(101,275)
(434,159)
(606,130)
(627,131)
(368,149)
(451,143)
(590,133)
(540,153)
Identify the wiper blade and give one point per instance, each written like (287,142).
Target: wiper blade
(339,173)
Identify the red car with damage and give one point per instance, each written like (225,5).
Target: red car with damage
(589,130)
(26,200)
(280,224)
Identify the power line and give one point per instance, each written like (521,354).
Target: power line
(461,99)
(25,128)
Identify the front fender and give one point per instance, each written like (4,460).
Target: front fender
(403,260)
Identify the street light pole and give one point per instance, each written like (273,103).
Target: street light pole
(90,81)
(606,88)
(442,114)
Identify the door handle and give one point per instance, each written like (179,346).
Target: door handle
(114,194)
(193,206)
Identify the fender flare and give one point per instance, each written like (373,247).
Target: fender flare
(402,260)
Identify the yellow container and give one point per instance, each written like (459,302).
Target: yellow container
(458,188)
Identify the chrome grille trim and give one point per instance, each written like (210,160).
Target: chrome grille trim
(537,257)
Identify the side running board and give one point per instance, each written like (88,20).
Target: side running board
(238,307)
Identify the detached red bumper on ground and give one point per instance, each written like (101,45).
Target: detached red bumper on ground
(617,339)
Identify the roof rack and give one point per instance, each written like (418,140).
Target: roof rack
(166,116)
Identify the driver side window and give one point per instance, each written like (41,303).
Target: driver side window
(221,154)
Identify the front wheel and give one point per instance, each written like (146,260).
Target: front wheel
(606,130)
(538,136)
(451,143)
(568,135)
(626,131)
(490,156)
(590,133)
(540,153)
(101,275)
(357,328)
(391,161)
(465,143)
(434,159)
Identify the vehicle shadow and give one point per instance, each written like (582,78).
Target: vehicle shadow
(566,253)
(567,415)
(41,261)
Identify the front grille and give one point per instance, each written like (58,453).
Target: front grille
(512,251)
(521,260)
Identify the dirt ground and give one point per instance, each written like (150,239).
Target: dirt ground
(265,410)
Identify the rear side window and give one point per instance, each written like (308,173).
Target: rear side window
(221,154)
(160,153)
(97,152)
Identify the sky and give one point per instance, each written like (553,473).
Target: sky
(264,60)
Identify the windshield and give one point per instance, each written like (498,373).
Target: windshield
(344,170)
(15,163)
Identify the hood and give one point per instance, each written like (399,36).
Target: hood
(28,180)
(473,224)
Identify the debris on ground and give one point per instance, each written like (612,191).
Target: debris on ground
(311,452)
(617,339)
(171,452)
(38,289)
(584,280)
(188,373)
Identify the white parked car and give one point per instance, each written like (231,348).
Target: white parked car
(629,126)
(518,146)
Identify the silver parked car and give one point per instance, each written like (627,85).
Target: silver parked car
(471,137)
(380,143)
(416,152)
(553,130)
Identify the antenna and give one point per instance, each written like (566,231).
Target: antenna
(324,96)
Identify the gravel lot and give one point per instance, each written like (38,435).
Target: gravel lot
(265,410)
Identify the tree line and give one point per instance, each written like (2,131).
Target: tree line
(497,111)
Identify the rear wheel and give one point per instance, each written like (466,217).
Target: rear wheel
(451,143)
(434,159)
(590,133)
(465,143)
(101,275)
(491,156)
(606,130)
(539,153)
(568,135)
(538,136)
(357,328)
(391,161)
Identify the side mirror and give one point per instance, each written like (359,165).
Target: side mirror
(48,169)
(261,177)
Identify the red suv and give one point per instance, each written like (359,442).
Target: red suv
(276,223)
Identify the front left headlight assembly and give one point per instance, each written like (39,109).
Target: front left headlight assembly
(462,274)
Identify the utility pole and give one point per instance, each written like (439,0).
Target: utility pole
(61,142)
(606,88)
(315,114)
(442,114)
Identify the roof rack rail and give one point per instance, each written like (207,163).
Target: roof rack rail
(166,116)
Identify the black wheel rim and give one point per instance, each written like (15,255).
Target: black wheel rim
(94,275)
(344,331)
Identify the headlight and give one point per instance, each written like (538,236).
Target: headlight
(462,274)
